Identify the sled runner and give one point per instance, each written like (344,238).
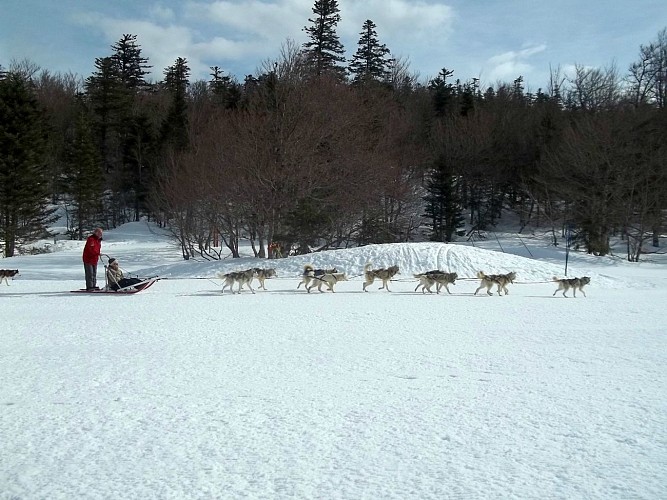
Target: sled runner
(128,290)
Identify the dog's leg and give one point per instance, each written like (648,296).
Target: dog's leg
(582,291)
(478,289)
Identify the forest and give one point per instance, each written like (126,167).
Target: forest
(317,151)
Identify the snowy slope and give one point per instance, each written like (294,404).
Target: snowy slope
(184,392)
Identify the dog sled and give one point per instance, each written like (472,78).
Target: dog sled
(128,290)
(116,282)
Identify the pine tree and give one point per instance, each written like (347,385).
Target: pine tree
(105,94)
(23,174)
(226,91)
(443,93)
(175,126)
(135,135)
(324,50)
(443,203)
(370,63)
(130,65)
(83,179)
(139,160)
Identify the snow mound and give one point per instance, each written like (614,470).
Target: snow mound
(411,258)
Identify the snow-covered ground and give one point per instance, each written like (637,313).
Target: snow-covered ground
(183,392)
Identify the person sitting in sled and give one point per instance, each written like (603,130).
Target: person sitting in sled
(115,276)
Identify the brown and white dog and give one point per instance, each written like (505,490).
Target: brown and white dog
(437,278)
(240,277)
(264,274)
(573,283)
(500,280)
(310,274)
(385,275)
(5,274)
(328,279)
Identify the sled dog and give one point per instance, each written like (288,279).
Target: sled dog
(500,280)
(573,283)
(310,274)
(328,279)
(438,278)
(385,275)
(264,274)
(5,274)
(240,277)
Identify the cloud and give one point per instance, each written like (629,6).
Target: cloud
(160,44)
(239,35)
(162,13)
(253,19)
(399,19)
(510,65)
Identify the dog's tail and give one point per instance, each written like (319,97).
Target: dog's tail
(481,275)
(222,276)
(308,268)
(555,278)
(420,275)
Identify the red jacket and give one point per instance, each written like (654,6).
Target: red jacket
(91,252)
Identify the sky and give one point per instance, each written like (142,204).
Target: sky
(181,391)
(492,40)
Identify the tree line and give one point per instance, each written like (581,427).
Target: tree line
(313,153)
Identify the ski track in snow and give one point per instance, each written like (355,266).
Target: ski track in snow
(184,392)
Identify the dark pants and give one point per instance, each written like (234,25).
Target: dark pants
(91,275)
(124,282)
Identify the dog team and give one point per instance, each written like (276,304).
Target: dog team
(312,278)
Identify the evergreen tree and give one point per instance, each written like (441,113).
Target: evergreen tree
(443,93)
(324,50)
(370,63)
(175,126)
(139,161)
(226,91)
(443,203)
(130,65)
(105,94)
(134,128)
(83,179)
(23,175)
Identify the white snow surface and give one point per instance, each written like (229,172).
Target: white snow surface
(184,392)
